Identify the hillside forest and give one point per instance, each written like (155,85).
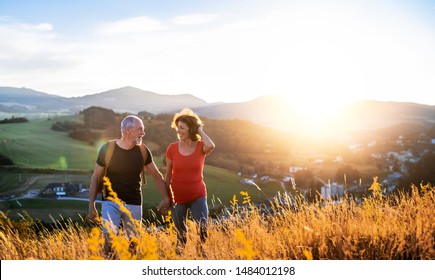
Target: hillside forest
(379,226)
(247,148)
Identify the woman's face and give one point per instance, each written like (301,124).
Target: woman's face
(182,130)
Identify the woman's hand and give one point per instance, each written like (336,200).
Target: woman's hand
(164,205)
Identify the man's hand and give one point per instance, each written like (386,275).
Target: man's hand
(93,216)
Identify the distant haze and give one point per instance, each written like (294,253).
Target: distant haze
(272,111)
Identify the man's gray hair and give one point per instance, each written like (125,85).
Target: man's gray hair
(129,122)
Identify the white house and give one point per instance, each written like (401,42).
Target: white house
(332,190)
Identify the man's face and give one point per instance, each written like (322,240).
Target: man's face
(137,132)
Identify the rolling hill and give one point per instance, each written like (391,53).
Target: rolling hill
(271,111)
(126,99)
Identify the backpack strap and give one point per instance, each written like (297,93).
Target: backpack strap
(109,152)
(145,157)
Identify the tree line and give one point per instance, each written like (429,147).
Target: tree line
(243,146)
(14,119)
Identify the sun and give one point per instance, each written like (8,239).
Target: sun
(316,110)
(315,114)
(318,79)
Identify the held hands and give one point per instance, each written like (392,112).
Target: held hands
(164,205)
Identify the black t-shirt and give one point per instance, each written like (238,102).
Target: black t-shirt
(124,171)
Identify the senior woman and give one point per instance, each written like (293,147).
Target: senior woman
(184,173)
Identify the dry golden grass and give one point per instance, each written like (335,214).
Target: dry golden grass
(389,228)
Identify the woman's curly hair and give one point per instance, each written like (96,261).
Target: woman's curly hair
(192,120)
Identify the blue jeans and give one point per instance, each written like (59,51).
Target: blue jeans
(113,215)
(199,210)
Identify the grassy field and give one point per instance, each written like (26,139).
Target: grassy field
(222,185)
(380,227)
(35,145)
(45,210)
(54,157)
(399,227)
(19,180)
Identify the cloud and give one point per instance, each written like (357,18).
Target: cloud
(128,26)
(194,19)
(18,40)
(40,27)
(33,55)
(285,51)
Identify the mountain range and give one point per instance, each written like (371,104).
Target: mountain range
(127,99)
(272,111)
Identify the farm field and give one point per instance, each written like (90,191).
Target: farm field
(398,227)
(222,185)
(35,145)
(44,156)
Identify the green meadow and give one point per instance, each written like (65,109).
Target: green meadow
(48,156)
(222,185)
(35,145)
(45,209)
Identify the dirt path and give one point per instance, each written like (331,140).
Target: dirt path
(32,180)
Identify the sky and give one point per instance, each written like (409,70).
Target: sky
(321,54)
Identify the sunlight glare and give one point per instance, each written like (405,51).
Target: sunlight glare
(317,74)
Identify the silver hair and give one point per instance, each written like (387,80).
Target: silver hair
(129,122)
